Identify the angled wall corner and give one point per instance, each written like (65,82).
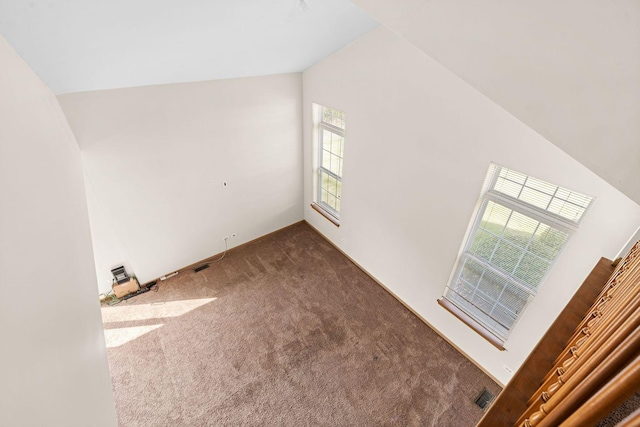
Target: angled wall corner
(156,158)
(53,358)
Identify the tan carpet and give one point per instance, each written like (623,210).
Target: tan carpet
(283,332)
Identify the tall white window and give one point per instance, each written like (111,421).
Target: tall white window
(330,125)
(521,227)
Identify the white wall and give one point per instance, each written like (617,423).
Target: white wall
(156,157)
(569,69)
(419,141)
(53,364)
(108,252)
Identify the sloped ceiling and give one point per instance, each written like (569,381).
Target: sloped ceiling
(84,45)
(569,69)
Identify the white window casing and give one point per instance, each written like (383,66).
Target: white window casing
(330,157)
(521,226)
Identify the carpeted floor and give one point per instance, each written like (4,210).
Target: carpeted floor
(284,331)
(623,411)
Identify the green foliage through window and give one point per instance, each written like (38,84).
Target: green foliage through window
(522,226)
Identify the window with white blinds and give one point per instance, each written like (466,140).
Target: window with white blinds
(330,138)
(521,227)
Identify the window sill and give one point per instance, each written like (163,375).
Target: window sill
(469,321)
(326,214)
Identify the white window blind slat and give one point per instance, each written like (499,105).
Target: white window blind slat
(519,231)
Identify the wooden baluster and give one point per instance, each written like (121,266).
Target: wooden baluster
(607,293)
(608,398)
(585,382)
(609,318)
(605,341)
(621,292)
(595,341)
(583,366)
(609,289)
(626,291)
(618,321)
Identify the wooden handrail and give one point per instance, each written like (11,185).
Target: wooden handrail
(567,381)
(621,325)
(608,398)
(580,387)
(626,304)
(596,369)
(512,402)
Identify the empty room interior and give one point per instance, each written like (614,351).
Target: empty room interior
(319,212)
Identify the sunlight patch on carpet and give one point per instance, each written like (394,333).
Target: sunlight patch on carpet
(120,336)
(156,310)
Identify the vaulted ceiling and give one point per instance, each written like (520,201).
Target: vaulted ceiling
(84,45)
(569,69)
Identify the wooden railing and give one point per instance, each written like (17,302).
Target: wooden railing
(599,368)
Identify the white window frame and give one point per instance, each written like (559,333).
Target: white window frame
(320,125)
(463,308)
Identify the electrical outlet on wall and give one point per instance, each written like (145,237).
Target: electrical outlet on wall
(227,238)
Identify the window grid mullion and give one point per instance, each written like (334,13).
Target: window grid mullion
(332,128)
(531,211)
(526,249)
(328,172)
(513,280)
(504,286)
(500,238)
(492,268)
(329,136)
(486,205)
(552,197)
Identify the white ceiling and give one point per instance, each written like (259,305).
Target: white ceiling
(83,45)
